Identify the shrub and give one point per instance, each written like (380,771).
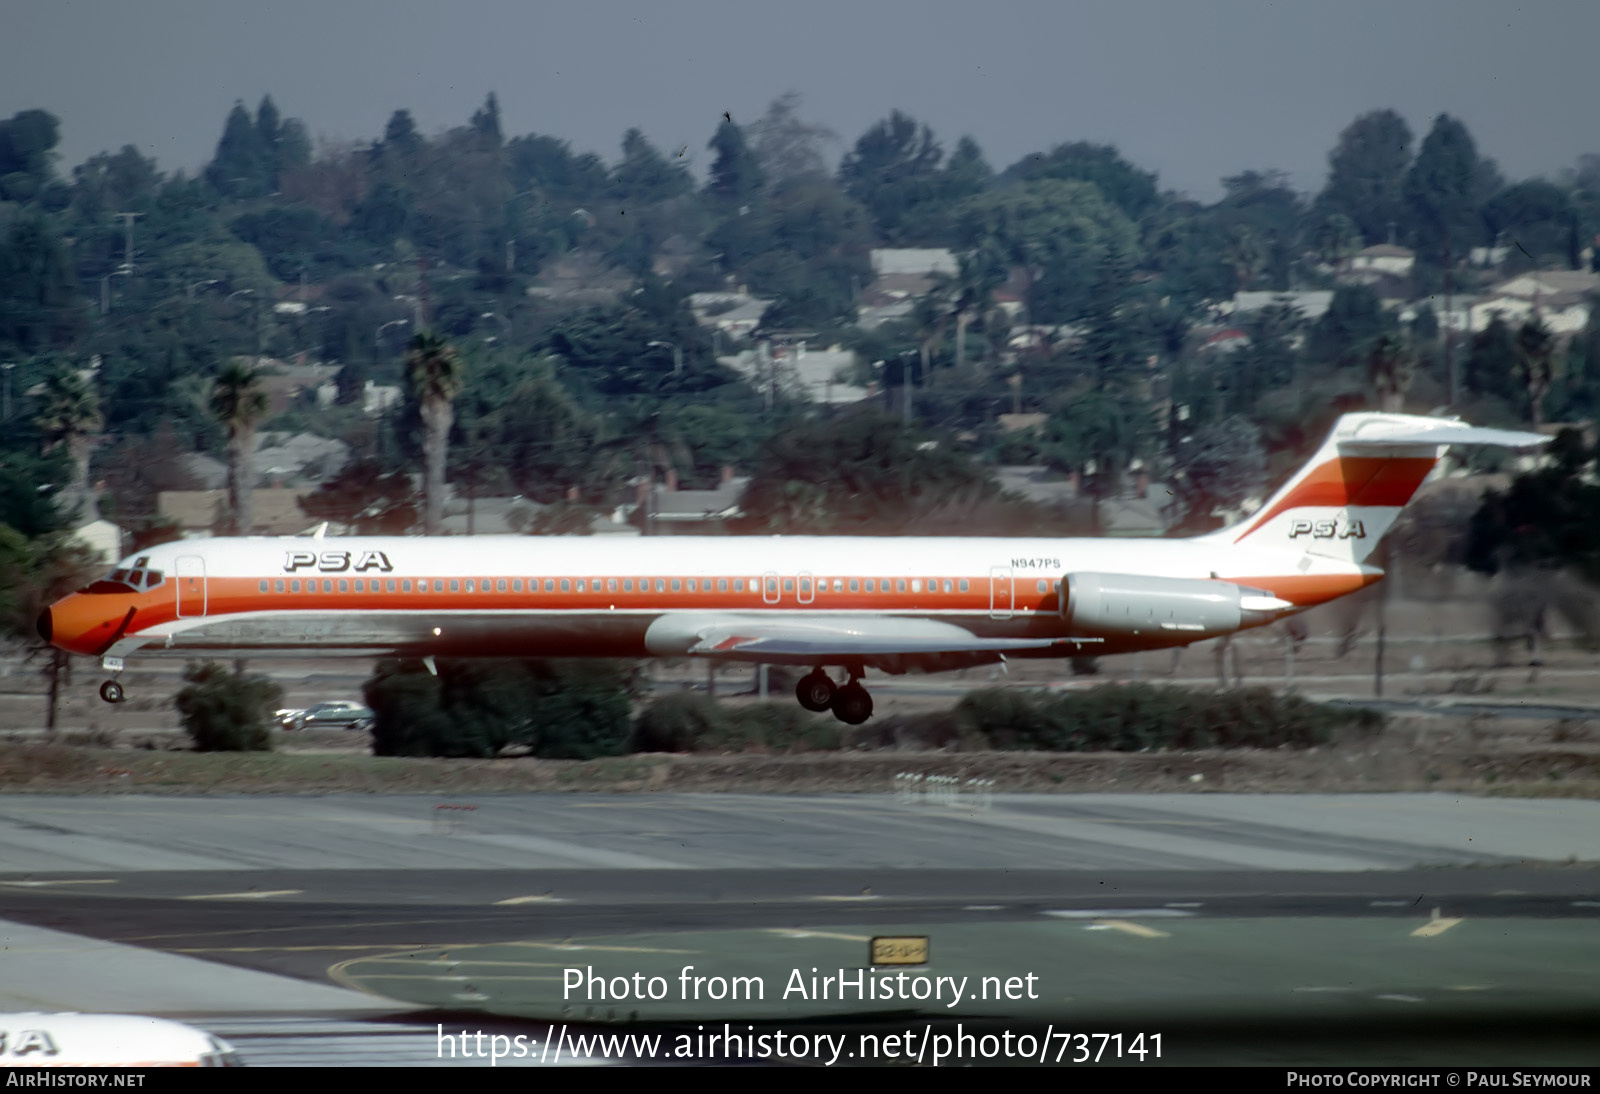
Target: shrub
(1135,717)
(697,723)
(559,709)
(227,712)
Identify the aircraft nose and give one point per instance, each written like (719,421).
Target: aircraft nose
(45,625)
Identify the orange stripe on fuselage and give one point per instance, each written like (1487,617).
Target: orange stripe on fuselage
(1309,590)
(1375,481)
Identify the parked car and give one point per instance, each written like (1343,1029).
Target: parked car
(333,715)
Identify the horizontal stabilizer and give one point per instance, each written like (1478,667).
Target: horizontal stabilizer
(1380,433)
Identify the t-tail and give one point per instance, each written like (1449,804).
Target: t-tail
(1347,496)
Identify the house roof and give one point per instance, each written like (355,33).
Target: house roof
(278,511)
(1385,250)
(914,260)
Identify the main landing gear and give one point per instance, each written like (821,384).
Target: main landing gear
(111,691)
(850,704)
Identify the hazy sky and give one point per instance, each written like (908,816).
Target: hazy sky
(1193,89)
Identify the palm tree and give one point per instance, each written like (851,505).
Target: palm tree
(239,402)
(1535,348)
(69,416)
(434,372)
(1391,366)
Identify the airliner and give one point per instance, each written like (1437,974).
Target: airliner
(893,604)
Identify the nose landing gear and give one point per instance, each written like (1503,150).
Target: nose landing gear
(111,691)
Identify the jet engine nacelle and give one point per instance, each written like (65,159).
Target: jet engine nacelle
(1135,604)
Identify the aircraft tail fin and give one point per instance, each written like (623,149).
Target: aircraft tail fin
(1340,504)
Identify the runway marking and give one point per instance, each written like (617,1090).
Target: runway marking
(1390,903)
(1186,904)
(530,900)
(1434,927)
(864,896)
(597,949)
(254,894)
(417,976)
(1125,927)
(1322,989)
(984,908)
(69,881)
(1120,913)
(267,949)
(790,932)
(1401,998)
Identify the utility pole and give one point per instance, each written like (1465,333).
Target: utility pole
(127,240)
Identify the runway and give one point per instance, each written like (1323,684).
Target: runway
(1240,924)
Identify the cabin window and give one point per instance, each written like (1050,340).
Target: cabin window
(549,585)
(277,586)
(855,585)
(916,586)
(438,586)
(805,584)
(694,586)
(516,585)
(294,586)
(900,586)
(676,584)
(311,586)
(788,584)
(566,584)
(500,585)
(455,584)
(611,584)
(738,584)
(581,585)
(963,584)
(344,586)
(947,586)
(470,587)
(405,586)
(1042,586)
(263,586)
(722,584)
(627,584)
(661,586)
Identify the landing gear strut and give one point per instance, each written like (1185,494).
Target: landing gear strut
(111,691)
(850,704)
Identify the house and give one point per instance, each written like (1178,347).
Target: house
(688,512)
(376,399)
(736,314)
(103,539)
(901,277)
(1312,304)
(198,512)
(822,376)
(1383,258)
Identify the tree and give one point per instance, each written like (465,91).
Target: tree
(736,177)
(1215,469)
(239,403)
(1441,191)
(1367,175)
(1492,366)
(645,176)
(1391,367)
(893,167)
(227,712)
(434,375)
(789,148)
(486,121)
(365,500)
(241,167)
(1535,351)
(858,474)
(69,418)
(1127,187)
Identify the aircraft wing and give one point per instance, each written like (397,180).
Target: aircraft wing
(885,641)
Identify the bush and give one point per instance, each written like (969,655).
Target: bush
(1135,717)
(228,712)
(558,709)
(698,723)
